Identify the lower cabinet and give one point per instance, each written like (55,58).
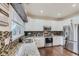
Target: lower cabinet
(57,40)
(40,42)
(75,49)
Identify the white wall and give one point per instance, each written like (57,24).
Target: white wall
(37,24)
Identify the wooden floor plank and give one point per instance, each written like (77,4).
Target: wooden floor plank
(55,51)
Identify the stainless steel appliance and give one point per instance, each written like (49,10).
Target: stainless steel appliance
(48,36)
(70,41)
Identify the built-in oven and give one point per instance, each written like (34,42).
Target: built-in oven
(48,41)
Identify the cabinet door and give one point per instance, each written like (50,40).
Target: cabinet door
(75,49)
(39,42)
(57,40)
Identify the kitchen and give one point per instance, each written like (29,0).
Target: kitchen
(34,27)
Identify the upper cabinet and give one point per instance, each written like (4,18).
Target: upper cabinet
(17,24)
(19,8)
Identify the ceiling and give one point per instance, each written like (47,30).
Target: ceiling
(54,11)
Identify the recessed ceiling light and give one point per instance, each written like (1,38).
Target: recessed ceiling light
(74,5)
(41,11)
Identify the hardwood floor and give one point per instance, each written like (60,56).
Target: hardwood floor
(55,51)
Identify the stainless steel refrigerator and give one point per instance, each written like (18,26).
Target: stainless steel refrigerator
(70,38)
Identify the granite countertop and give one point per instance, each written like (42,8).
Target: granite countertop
(41,37)
(10,51)
(28,49)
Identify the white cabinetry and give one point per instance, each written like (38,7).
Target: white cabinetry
(75,49)
(17,25)
(58,40)
(40,41)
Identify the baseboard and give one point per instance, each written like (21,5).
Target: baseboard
(50,46)
(71,51)
(57,45)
